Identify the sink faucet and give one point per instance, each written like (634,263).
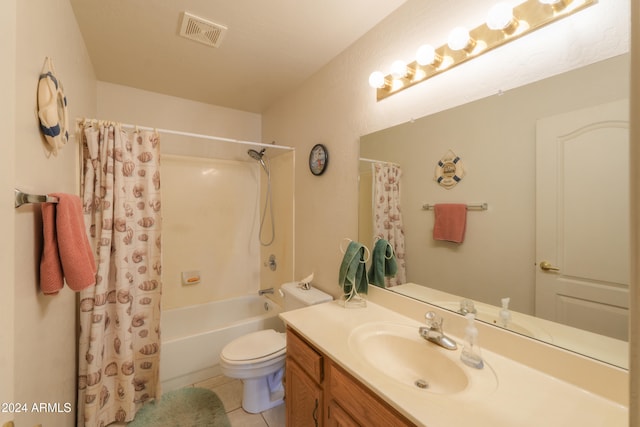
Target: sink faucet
(433,332)
(265,291)
(467,306)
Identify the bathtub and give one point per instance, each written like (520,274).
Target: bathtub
(192,337)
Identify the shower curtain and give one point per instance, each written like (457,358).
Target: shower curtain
(120,316)
(387,215)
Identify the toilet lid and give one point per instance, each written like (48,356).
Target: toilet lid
(255,345)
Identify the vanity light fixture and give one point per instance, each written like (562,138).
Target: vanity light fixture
(504,23)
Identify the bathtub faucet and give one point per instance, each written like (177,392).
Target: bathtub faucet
(265,291)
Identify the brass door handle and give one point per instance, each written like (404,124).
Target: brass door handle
(546,266)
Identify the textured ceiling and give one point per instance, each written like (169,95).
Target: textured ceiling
(269,49)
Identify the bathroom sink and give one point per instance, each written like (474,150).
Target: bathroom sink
(489,314)
(401,354)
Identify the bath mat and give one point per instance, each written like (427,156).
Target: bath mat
(187,407)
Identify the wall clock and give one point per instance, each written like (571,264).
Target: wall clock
(318,159)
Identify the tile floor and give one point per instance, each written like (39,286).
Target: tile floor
(229,390)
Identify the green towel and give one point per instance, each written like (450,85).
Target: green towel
(383,263)
(353,271)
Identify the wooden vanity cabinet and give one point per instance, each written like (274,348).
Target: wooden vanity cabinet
(318,392)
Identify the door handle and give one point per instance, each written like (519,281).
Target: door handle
(546,266)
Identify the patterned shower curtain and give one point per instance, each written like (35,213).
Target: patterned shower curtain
(387,215)
(120,316)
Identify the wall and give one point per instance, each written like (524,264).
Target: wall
(634,324)
(134,106)
(496,139)
(7,154)
(336,106)
(44,367)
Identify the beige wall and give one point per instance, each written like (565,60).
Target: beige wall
(634,389)
(135,106)
(7,123)
(44,366)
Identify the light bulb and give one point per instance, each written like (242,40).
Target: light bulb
(426,55)
(500,16)
(460,39)
(398,69)
(376,80)
(557,5)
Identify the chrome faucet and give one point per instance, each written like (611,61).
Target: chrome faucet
(433,332)
(467,306)
(265,291)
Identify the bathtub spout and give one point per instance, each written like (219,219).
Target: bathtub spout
(266,291)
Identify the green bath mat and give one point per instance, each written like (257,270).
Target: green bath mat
(187,407)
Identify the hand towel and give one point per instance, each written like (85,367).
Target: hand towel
(274,383)
(383,263)
(353,271)
(450,222)
(66,251)
(51,277)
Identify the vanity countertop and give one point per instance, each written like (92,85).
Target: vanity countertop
(523,397)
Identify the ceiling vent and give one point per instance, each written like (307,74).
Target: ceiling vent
(201,30)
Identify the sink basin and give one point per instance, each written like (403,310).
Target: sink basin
(398,352)
(518,323)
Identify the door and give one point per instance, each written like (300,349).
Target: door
(582,219)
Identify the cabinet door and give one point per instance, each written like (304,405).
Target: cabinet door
(338,417)
(304,398)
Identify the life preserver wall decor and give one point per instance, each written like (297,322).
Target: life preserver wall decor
(449,170)
(52,108)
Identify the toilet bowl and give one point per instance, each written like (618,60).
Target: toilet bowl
(258,358)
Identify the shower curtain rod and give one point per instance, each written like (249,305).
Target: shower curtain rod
(194,135)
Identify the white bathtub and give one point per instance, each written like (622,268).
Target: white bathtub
(192,337)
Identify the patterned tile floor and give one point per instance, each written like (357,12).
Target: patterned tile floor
(229,390)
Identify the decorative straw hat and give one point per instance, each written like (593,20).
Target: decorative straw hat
(52,108)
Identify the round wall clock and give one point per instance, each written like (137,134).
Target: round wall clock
(318,159)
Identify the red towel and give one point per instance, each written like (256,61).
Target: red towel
(66,253)
(450,222)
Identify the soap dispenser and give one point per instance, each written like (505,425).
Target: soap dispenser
(471,351)
(505,314)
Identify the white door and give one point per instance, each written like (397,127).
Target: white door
(582,219)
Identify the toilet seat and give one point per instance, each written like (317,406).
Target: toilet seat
(255,347)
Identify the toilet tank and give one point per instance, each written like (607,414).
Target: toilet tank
(296,297)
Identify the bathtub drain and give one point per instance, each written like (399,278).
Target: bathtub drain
(421,384)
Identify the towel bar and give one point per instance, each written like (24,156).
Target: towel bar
(471,206)
(23,198)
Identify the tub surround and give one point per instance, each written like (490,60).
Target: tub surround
(524,395)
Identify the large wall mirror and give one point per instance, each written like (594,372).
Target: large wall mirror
(550,160)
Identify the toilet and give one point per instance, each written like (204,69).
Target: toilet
(257,358)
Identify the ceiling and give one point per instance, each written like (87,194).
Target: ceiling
(269,48)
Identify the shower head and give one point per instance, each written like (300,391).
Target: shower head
(256,155)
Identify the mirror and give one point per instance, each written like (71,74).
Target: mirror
(496,139)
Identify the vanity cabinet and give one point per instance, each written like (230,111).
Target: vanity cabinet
(318,392)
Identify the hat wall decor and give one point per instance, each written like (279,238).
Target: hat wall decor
(52,108)
(449,170)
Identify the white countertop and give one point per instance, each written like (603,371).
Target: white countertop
(524,396)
